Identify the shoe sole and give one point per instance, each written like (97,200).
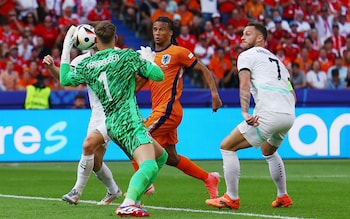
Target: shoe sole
(69,201)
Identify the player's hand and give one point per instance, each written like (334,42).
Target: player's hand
(70,38)
(216,103)
(68,42)
(252,120)
(146,53)
(48,60)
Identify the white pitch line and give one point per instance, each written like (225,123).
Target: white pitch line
(163,208)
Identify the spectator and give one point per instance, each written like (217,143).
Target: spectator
(99,13)
(281,55)
(279,33)
(30,21)
(26,79)
(161,11)
(9,77)
(346,47)
(344,25)
(146,10)
(303,26)
(38,94)
(186,15)
(347,79)
(235,39)
(219,64)
(346,59)
(172,6)
(177,25)
(297,37)
(129,10)
(84,7)
(49,32)
(315,78)
(79,101)
(225,9)
(208,7)
(337,39)
(231,79)
(18,61)
(238,20)
(8,36)
(5,8)
(67,19)
(324,61)
(304,60)
(217,25)
(271,42)
(323,23)
(25,49)
(196,27)
(254,9)
(291,49)
(185,39)
(213,37)
(297,77)
(335,82)
(53,8)
(313,53)
(203,50)
(193,6)
(338,64)
(24,7)
(16,25)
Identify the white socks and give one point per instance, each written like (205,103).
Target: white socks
(106,177)
(85,166)
(278,173)
(232,171)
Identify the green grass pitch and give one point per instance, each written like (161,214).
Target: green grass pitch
(319,189)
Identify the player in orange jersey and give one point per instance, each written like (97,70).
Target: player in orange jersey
(166,107)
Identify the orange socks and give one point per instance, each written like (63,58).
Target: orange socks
(187,166)
(190,168)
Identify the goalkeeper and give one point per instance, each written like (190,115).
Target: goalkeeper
(111,75)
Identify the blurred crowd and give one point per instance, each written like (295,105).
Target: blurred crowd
(312,38)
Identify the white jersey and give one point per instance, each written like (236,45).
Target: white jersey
(269,81)
(95,104)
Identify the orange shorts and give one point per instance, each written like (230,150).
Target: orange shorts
(163,128)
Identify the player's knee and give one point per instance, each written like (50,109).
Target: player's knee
(173,161)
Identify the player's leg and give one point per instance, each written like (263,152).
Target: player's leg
(279,124)
(145,156)
(105,175)
(85,166)
(231,166)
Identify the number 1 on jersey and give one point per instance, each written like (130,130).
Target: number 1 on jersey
(103,79)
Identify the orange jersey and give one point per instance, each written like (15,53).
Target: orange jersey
(166,94)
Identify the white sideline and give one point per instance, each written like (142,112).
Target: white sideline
(163,208)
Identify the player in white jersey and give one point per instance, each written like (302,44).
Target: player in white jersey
(262,75)
(94,146)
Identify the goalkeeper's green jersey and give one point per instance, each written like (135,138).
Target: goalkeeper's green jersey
(111,74)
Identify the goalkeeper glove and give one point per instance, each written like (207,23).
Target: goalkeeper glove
(68,42)
(147,54)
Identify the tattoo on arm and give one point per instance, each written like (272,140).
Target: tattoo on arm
(244,90)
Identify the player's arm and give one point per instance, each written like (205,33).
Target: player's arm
(244,95)
(140,82)
(290,88)
(49,63)
(207,77)
(65,70)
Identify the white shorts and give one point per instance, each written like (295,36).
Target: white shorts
(272,128)
(97,122)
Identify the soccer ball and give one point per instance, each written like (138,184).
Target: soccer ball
(85,37)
